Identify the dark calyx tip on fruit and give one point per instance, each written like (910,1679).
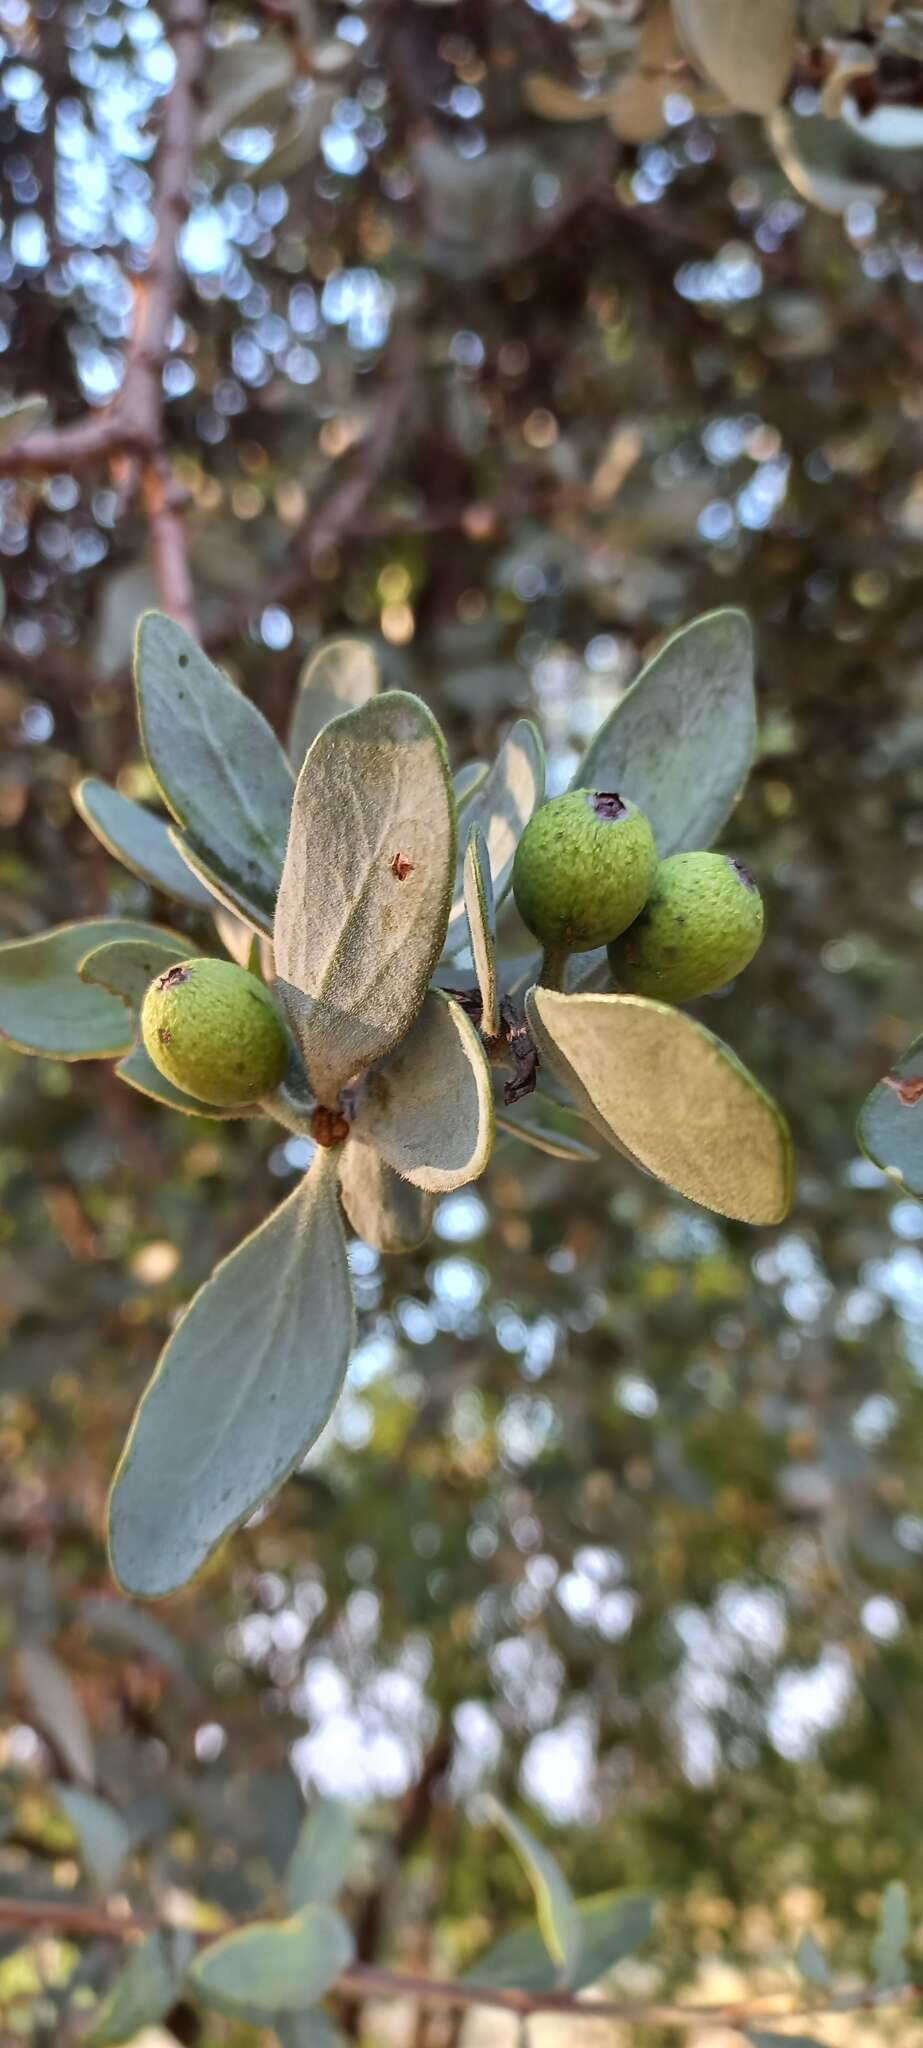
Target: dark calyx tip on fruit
(741,869)
(607,804)
(174,977)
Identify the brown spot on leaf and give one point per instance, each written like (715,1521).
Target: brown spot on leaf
(908,1092)
(401,867)
(174,977)
(328,1126)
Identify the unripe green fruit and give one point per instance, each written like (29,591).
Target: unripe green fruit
(583,869)
(701,925)
(213,1029)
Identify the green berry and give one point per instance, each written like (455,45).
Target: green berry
(213,1029)
(583,869)
(701,925)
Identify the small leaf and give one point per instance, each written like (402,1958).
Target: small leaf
(758,2039)
(467,781)
(891,1121)
(241,77)
(888,1957)
(57,1708)
(479,909)
(233,891)
(341,675)
(746,47)
(126,967)
(556,1907)
(308,2030)
(322,1854)
(612,1925)
(140,840)
(680,742)
(555,1144)
(138,1071)
(143,1994)
(812,1961)
(365,891)
(384,1210)
(45,1007)
(218,765)
(16,421)
(102,1833)
(119,1622)
(247,1382)
(501,806)
(429,1108)
(272,1967)
(667,1089)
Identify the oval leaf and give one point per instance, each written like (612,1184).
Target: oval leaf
(745,47)
(556,1907)
(140,840)
(384,1210)
(501,806)
(891,1121)
(233,891)
(612,1925)
(467,780)
(681,1102)
(365,891)
(680,742)
(218,765)
(341,675)
(57,1708)
(144,1993)
(46,1008)
(323,1853)
(429,1108)
(247,1382)
(104,1838)
(277,1966)
(126,967)
(479,909)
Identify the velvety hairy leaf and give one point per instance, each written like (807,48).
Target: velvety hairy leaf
(322,1854)
(746,47)
(384,1210)
(680,742)
(16,421)
(365,891)
(888,1948)
(57,1708)
(501,806)
(233,891)
(612,1925)
(429,1108)
(341,675)
(138,1071)
(103,1836)
(245,1385)
(140,840)
(143,1994)
(479,909)
(558,1916)
(543,1138)
(467,781)
(219,767)
(126,967)
(272,1967)
(671,1092)
(891,1121)
(46,1008)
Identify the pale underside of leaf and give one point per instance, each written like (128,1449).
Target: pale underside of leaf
(245,1385)
(501,806)
(555,1905)
(274,1966)
(45,1008)
(680,743)
(341,675)
(467,781)
(746,47)
(675,1096)
(386,1211)
(140,840)
(891,1121)
(429,1108)
(218,765)
(362,909)
(479,908)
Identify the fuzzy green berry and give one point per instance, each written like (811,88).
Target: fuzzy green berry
(213,1029)
(583,869)
(701,925)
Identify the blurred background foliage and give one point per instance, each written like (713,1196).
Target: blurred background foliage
(623,1509)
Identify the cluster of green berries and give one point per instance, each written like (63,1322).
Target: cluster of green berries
(586,874)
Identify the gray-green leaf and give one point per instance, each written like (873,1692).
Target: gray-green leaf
(322,1854)
(812,1961)
(103,1836)
(144,1992)
(888,1957)
(314,2029)
(218,765)
(274,1966)
(680,742)
(429,1107)
(126,967)
(891,1121)
(674,1095)
(467,780)
(501,806)
(479,908)
(138,1071)
(341,675)
(140,840)
(556,1908)
(384,1210)
(362,909)
(233,891)
(57,1708)
(612,1925)
(46,1008)
(245,1385)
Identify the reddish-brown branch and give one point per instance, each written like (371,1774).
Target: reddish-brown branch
(163,500)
